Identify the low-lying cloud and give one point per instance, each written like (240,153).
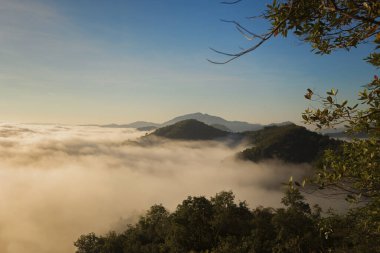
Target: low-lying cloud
(58,182)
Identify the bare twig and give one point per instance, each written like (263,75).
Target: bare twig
(231,2)
(243,30)
(263,38)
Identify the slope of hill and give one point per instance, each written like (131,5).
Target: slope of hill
(290,143)
(221,127)
(217,122)
(146,128)
(234,126)
(190,130)
(137,124)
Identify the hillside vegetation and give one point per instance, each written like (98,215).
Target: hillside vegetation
(190,130)
(234,126)
(290,143)
(219,225)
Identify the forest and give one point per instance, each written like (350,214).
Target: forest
(220,225)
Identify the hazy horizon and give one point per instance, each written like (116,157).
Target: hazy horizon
(140,120)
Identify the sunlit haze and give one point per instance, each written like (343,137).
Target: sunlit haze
(58,182)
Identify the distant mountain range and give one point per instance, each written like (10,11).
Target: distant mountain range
(217,122)
(234,126)
(285,141)
(137,124)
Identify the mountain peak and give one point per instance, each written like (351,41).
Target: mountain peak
(190,129)
(234,126)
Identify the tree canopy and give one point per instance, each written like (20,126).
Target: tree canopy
(215,225)
(353,170)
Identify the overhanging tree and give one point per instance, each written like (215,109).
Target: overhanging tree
(327,25)
(354,169)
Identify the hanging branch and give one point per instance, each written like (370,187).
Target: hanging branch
(330,25)
(263,38)
(232,2)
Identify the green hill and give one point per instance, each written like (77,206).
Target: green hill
(290,143)
(190,130)
(233,126)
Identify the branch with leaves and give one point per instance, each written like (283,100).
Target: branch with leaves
(327,25)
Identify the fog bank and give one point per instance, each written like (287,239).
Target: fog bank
(58,182)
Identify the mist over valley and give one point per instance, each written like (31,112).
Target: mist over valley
(61,181)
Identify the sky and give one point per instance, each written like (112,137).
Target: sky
(98,62)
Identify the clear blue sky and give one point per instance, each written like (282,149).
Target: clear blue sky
(98,61)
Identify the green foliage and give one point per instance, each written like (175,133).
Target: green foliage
(264,232)
(297,226)
(374,58)
(365,118)
(149,234)
(349,232)
(229,219)
(191,229)
(290,143)
(218,225)
(112,243)
(89,243)
(190,130)
(326,25)
(354,169)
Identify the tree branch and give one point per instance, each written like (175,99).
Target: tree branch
(264,38)
(361,18)
(233,2)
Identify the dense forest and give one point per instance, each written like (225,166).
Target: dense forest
(220,225)
(290,143)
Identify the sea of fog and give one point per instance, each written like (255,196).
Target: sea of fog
(58,182)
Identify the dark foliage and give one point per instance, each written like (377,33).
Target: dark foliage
(220,225)
(190,130)
(290,143)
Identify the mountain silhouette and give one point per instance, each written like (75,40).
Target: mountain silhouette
(211,120)
(190,129)
(290,143)
(234,126)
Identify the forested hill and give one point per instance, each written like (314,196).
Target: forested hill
(219,225)
(290,143)
(190,130)
(234,126)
